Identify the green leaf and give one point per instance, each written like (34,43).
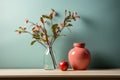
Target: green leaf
(51,16)
(69,13)
(54,30)
(42,40)
(16,30)
(74,18)
(36,36)
(20,27)
(66,19)
(41,19)
(58,29)
(45,16)
(42,34)
(33,42)
(68,25)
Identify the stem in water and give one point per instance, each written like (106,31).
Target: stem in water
(53,57)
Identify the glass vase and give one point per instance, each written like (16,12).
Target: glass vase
(49,59)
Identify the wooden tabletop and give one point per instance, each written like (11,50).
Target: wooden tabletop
(58,73)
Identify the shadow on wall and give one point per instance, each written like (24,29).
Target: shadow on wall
(99,60)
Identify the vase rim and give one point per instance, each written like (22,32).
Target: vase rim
(80,44)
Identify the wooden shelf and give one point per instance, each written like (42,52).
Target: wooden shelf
(52,74)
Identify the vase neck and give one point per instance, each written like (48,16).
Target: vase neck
(80,45)
(50,52)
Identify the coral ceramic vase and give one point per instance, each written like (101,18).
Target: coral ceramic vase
(79,57)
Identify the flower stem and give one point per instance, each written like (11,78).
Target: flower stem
(53,40)
(36,39)
(53,57)
(32,23)
(41,44)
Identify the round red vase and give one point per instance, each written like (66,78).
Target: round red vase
(79,57)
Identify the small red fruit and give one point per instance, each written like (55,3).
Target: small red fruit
(63,65)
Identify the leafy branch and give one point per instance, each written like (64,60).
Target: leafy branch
(39,32)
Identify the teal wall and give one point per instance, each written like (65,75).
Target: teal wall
(99,28)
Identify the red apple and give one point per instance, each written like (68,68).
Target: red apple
(63,65)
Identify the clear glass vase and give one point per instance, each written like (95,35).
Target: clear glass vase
(49,59)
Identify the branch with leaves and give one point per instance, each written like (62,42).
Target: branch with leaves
(39,30)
